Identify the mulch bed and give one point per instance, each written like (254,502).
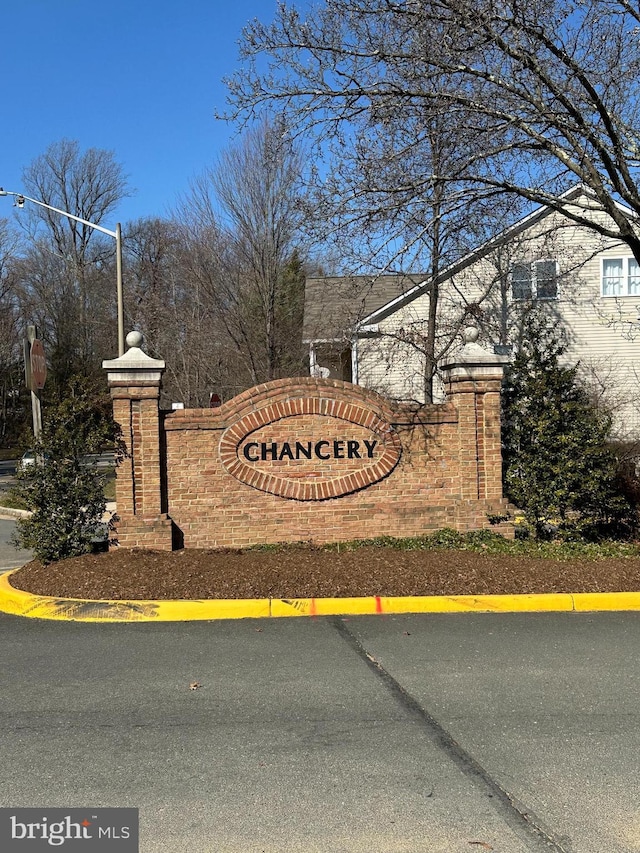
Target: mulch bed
(305,571)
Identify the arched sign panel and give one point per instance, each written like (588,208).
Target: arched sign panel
(310,449)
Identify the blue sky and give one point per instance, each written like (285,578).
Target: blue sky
(142,78)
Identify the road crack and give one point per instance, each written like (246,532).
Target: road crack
(521,819)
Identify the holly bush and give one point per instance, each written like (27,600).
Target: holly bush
(63,488)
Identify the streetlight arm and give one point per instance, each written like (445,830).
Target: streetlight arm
(61,212)
(118,238)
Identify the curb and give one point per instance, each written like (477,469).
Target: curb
(19,603)
(10,512)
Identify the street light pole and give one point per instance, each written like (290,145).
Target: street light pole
(117,234)
(119,289)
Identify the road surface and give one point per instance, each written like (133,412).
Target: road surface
(10,556)
(420,734)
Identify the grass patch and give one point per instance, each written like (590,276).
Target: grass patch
(477,541)
(11,501)
(486,542)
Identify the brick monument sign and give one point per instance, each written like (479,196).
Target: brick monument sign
(306,459)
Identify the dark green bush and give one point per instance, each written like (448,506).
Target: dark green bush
(559,467)
(64,490)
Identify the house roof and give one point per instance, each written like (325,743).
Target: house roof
(335,307)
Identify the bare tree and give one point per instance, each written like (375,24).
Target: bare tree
(151,280)
(396,192)
(164,300)
(257,185)
(9,247)
(549,89)
(67,274)
(241,229)
(558,83)
(11,370)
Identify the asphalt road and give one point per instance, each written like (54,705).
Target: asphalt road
(8,467)
(380,734)
(7,474)
(10,556)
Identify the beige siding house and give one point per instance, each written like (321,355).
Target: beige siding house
(371,330)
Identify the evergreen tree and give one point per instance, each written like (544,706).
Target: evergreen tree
(558,467)
(292,355)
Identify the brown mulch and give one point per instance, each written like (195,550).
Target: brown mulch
(305,571)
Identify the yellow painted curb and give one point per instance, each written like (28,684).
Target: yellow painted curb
(20,603)
(585,601)
(420,604)
(479,603)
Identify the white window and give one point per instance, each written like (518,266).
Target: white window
(521,284)
(537,280)
(620,277)
(546,279)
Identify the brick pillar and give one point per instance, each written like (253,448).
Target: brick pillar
(474,378)
(134,381)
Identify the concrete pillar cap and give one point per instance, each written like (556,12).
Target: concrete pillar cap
(473,361)
(134,358)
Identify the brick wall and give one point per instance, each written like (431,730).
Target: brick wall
(306,460)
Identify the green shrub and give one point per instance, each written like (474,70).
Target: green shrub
(559,468)
(64,491)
